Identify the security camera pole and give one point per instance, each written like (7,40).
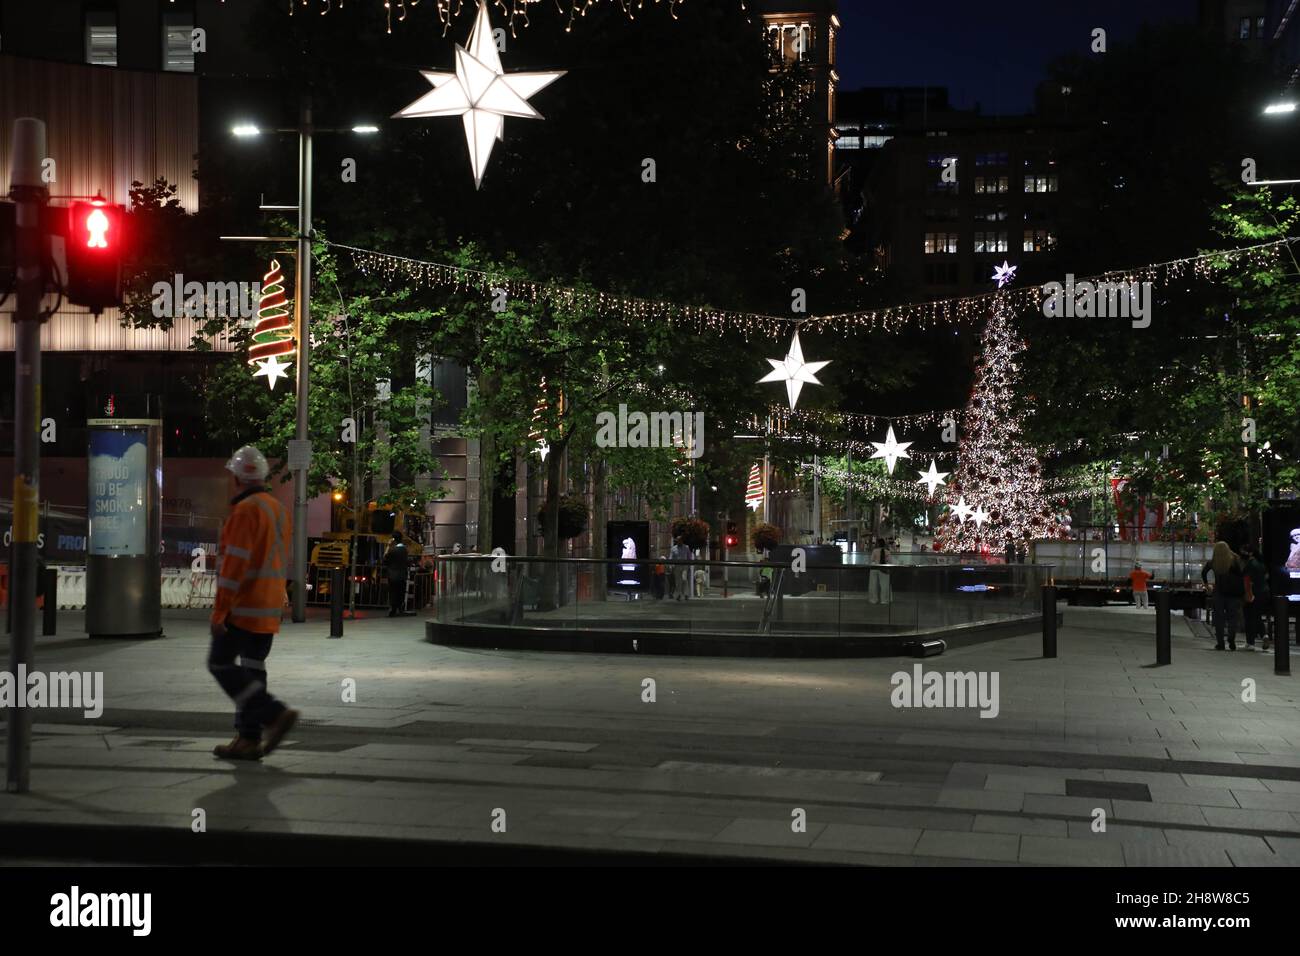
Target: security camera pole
(31,196)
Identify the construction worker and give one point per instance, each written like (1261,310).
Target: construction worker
(253,560)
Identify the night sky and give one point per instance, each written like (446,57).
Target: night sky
(990,53)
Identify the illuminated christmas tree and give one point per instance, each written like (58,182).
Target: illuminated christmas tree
(996,493)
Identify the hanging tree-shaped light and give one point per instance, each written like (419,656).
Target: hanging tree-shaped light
(273,334)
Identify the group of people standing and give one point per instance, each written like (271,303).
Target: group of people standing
(1240,587)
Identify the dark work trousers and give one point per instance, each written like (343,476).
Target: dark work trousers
(396,593)
(245,682)
(1226,610)
(1254,612)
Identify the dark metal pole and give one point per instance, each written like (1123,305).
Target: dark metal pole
(50,619)
(1281,635)
(31,197)
(1164,601)
(302,295)
(336,602)
(1049,620)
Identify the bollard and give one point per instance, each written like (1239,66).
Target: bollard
(1049,620)
(50,619)
(336,602)
(1281,635)
(1164,601)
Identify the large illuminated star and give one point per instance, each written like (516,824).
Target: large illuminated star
(979,516)
(961,510)
(1004,273)
(891,450)
(480,93)
(931,479)
(794,371)
(273,369)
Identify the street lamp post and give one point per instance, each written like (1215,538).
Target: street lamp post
(302,306)
(300,447)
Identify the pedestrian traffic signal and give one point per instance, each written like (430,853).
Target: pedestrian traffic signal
(94,252)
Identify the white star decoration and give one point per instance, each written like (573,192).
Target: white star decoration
(979,516)
(272,368)
(932,478)
(961,510)
(891,450)
(480,93)
(1004,273)
(543,448)
(794,371)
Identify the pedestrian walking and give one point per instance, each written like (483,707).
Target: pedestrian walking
(682,573)
(253,561)
(397,563)
(1257,598)
(878,591)
(1229,589)
(1138,579)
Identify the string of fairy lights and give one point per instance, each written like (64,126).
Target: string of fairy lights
(972,309)
(514,10)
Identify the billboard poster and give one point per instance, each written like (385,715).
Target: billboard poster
(118,474)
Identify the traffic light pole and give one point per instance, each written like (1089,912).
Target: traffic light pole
(31,196)
(303,302)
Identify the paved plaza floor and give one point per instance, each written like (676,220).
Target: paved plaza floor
(1196,763)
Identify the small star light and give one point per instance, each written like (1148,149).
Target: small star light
(931,479)
(543,448)
(961,510)
(272,368)
(1004,273)
(794,371)
(480,93)
(891,450)
(979,516)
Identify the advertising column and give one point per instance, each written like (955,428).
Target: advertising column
(124,544)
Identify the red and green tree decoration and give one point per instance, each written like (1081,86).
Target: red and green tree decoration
(997,474)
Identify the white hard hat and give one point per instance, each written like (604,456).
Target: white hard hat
(248,464)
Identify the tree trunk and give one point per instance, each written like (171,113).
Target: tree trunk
(488,469)
(551,597)
(599,546)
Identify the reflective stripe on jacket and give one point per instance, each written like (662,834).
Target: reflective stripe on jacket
(254,563)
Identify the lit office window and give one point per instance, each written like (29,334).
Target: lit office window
(1045,183)
(1259,28)
(848,142)
(1039,240)
(990,184)
(101,38)
(940,243)
(991,215)
(1243,29)
(990,242)
(178,54)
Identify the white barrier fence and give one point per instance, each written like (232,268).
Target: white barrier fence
(179,588)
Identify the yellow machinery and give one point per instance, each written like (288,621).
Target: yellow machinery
(370,532)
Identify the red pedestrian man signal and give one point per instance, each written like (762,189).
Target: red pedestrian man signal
(94,247)
(96,226)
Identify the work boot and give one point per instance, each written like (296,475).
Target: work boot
(276,730)
(241,748)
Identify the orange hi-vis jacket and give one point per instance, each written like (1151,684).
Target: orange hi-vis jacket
(253,563)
